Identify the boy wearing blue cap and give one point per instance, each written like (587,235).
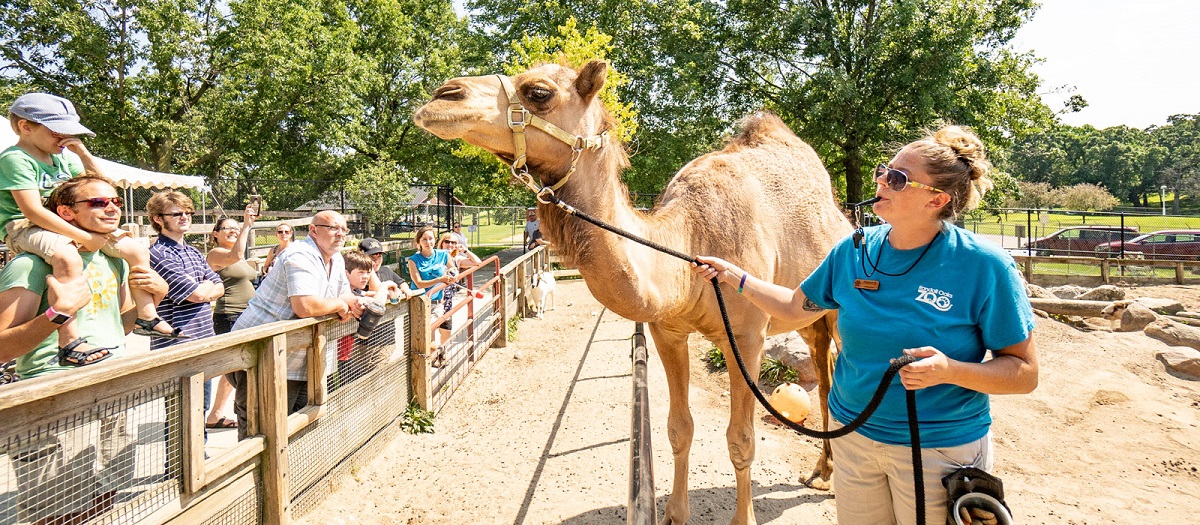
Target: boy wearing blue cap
(47,153)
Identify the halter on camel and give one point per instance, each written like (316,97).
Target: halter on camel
(518,118)
(545,195)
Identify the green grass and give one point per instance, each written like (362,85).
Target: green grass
(1054,221)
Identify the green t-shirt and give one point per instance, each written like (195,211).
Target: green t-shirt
(100,321)
(20,171)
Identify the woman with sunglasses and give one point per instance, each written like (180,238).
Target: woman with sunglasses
(918,286)
(283,233)
(229,261)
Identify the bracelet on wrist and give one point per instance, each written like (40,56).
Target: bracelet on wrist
(742,283)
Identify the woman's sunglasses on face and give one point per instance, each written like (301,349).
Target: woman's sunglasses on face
(101,202)
(897,180)
(281,232)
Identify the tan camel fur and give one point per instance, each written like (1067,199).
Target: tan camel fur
(764,202)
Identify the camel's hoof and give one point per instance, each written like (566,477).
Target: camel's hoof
(666,520)
(817,483)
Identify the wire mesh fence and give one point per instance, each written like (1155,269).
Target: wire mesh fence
(115,462)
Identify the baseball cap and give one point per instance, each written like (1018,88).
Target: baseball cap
(370,246)
(56,113)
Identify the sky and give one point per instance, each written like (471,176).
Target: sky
(1136,62)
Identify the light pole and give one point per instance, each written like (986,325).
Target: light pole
(1162,196)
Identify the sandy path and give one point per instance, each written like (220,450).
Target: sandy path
(1108,437)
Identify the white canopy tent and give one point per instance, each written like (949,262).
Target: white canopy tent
(126,177)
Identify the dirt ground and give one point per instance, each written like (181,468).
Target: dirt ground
(539,435)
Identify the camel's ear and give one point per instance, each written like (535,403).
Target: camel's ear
(591,79)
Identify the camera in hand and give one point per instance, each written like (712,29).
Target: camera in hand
(372,313)
(256,204)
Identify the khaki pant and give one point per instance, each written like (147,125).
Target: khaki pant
(25,237)
(873,481)
(59,473)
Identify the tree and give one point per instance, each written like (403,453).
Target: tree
(853,75)
(1090,197)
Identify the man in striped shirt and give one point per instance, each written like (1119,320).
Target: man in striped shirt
(192,284)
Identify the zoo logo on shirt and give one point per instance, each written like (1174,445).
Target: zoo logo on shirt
(935,298)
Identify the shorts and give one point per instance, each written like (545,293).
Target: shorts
(446,325)
(26,237)
(64,472)
(873,481)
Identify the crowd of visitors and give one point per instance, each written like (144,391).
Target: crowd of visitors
(79,284)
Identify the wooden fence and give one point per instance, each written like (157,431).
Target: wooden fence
(165,472)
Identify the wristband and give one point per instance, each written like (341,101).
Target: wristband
(742,283)
(56,317)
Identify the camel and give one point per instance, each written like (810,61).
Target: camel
(764,202)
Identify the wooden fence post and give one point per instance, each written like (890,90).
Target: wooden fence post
(501,306)
(272,401)
(418,351)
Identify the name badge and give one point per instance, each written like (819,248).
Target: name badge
(866,284)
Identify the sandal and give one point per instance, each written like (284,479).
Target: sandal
(222,423)
(68,356)
(146,328)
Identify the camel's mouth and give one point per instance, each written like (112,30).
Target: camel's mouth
(445,124)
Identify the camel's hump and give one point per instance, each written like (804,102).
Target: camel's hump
(758,127)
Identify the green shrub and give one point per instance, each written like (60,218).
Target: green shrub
(775,372)
(511,333)
(714,358)
(417,420)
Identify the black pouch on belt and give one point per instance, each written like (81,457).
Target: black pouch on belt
(972,481)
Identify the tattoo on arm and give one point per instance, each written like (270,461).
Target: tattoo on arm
(810,306)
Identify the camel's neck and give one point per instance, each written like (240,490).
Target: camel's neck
(633,280)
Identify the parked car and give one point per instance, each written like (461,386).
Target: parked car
(1165,244)
(1081,240)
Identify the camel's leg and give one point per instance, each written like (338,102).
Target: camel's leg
(740,433)
(818,336)
(673,351)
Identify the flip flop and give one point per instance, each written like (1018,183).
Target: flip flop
(146,327)
(222,423)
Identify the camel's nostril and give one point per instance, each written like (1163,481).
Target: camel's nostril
(450,92)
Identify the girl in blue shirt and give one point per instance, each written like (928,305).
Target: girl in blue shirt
(915,286)
(428,268)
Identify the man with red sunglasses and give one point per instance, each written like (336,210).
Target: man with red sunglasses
(53,488)
(47,153)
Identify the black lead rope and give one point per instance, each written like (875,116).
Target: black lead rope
(872,405)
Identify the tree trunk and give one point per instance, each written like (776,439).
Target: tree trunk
(852,164)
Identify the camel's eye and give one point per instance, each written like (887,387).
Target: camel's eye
(539,94)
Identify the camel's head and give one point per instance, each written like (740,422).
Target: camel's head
(476,109)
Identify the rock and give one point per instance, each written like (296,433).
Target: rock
(1067,291)
(791,349)
(1173,333)
(1106,292)
(1181,360)
(1135,317)
(1162,306)
(1035,291)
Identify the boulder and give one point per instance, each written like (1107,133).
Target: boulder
(1067,291)
(1181,360)
(1135,318)
(1162,306)
(1173,333)
(1037,292)
(1106,292)
(791,349)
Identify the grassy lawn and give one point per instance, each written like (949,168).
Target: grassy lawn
(1054,221)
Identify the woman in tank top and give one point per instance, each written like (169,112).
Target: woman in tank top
(229,261)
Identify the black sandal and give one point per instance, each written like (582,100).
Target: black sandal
(68,356)
(146,328)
